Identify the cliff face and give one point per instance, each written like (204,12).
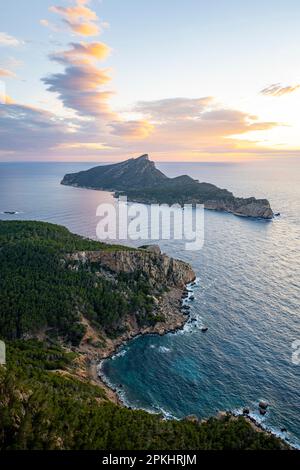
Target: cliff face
(251,207)
(159,268)
(167,277)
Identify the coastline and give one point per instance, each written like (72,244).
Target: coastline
(209,206)
(181,319)
(171,303)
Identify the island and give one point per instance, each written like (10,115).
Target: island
(65,303)
(142,182)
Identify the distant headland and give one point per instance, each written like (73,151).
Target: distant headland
(142,182)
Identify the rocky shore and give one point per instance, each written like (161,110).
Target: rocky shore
(171,274)
(179,277)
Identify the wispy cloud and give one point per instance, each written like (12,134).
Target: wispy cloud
(84,28)
(132,129)
(80,18)
(28,129)
(277,89)
(7,40)
(7,73)
(81,52)
(194,125)
(173,108)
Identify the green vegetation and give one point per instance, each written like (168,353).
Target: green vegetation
(43,403)
(45,410)
(39,291)
(181,190)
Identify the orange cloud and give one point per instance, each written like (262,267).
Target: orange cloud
(6,73)
(132,129)
(84,146)
(83,29)
(194,126)
(81,51)
(5,99)
(277,90)
(80,18)
(76,12)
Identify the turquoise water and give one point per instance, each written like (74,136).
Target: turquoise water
(248,294)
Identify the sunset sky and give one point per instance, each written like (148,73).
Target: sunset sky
(181,80)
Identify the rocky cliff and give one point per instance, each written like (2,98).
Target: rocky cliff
(251,207)
(167,276)
(159,268)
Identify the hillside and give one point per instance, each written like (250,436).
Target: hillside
(56,290)
(142,182)
(54,283)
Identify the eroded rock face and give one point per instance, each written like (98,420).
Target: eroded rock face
(251,207)
(160,268)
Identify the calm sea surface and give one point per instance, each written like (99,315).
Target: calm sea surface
(248,294)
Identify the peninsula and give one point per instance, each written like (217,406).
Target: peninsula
(66,302)
(142,182)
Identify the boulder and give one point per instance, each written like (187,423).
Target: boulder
(263,405)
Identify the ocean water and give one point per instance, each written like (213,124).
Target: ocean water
(248,293)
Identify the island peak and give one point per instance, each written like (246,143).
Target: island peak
(140,180)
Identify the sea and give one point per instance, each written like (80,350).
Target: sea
(247,293)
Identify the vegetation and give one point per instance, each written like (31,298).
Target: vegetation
(42,409)
(43,403)
(39,291)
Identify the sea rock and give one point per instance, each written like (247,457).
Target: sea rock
(246,411)
(249,207)
(262,411)
(263,405)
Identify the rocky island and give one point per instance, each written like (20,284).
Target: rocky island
(142,182)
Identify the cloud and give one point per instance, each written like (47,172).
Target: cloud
(176,127)
(277,90)
(6,73)
(5,99)
(193,125)
(83,29)
(80,18)
(77,87)
(80,86)
(7,40)
(45,23)
(132,129)
(48,24)
(27,129)
(77,12)
(84,146)
(82,51)
(173,108)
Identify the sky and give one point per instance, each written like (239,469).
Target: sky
(104,80)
